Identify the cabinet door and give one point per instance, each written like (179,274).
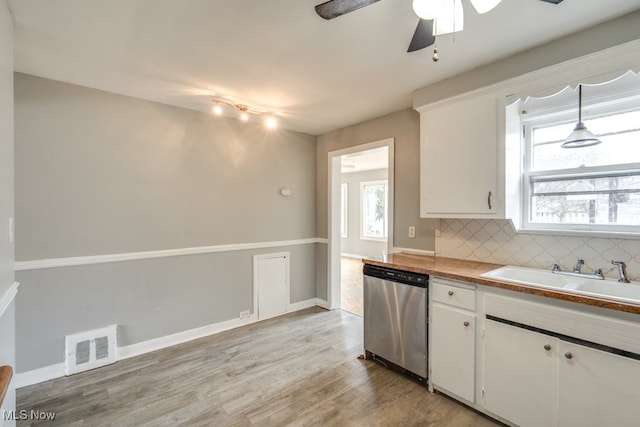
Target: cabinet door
(520,375)
(458,149)
(598,388)
(453,351)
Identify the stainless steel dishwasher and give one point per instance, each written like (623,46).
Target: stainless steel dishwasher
(395,317)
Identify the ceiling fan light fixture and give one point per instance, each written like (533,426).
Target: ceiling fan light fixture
(428,9)
(484,6)
(581,136)
(450,19)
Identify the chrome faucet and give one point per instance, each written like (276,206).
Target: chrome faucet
(578,267)
(622,269)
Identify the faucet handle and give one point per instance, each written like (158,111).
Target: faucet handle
(622,269)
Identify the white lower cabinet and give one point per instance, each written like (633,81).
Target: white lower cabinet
(452,338)
(597,388)
(520,375)
(536,379)
(453,351)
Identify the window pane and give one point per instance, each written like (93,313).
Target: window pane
(611,200)
(374,210)
(619,134)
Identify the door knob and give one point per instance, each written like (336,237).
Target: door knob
(547,347)
(466,323)
(450,293)
(568,355)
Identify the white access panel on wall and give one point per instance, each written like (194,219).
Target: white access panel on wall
(271,284)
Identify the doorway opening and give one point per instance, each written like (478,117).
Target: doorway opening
(360,217)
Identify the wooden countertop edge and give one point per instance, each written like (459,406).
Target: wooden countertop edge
(6,372)
(470,271)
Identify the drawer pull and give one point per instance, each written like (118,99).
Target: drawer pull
(466,323)
(547,347)
(568,355)
(450,293)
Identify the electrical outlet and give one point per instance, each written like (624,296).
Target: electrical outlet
(245,314)
(412,231)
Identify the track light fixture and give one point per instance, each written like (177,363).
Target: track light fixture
(243,111)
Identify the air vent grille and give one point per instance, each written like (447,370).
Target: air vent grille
(90,349)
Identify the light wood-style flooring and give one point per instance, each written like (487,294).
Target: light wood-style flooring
(351,285)
(301,369)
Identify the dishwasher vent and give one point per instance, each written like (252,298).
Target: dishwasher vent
(90,349)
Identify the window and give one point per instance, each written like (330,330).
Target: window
(594,189)
(373,196)
(344,209)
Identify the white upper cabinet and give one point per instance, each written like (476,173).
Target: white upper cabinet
(459,157)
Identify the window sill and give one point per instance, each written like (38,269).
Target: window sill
(581,233)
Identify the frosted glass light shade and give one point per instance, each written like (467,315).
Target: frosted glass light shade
(580,137)
(428,9)
(484,6)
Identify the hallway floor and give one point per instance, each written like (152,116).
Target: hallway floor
(351,289)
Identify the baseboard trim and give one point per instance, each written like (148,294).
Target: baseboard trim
(35,376)
(8,297)
(133,256)
(323,303)
(39,375)
(301,305)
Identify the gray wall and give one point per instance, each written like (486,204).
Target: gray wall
(404,126)
(7,320)
(98,173)
(353,244)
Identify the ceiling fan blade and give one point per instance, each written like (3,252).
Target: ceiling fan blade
(423,36)
(334,8)
(553,1)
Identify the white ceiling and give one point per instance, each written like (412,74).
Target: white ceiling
(376,158)
(275,55)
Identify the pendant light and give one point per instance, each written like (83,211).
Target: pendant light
(581,136)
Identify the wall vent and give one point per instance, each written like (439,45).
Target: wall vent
(90,349)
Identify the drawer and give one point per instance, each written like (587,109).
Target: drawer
(448,293)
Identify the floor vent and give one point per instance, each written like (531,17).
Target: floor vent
(90,349)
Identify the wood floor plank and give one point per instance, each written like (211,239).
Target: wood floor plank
(296,370)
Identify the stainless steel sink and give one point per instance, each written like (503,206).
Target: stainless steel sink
(606,289)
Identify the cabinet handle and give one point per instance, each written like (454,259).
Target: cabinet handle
(466,323)
(547,347)
(450,293)
(489,200)
(568,355)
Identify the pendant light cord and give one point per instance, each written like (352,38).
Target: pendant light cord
(580,103)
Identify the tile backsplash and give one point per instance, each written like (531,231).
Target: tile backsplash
(496,241)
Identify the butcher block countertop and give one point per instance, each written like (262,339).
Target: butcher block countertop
(470,271)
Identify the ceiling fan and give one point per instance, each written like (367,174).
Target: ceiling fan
(424,34)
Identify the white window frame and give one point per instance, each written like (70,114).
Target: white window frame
(554,118)
(363,236)
(344,210)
